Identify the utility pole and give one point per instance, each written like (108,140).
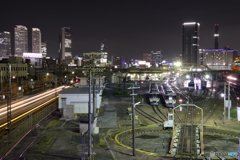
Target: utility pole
(133,117)
(228,99)
(89,120)
(9,116)
(93,81)
(1,83)
(224,102)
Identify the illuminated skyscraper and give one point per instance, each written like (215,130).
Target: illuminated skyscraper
(5,44)
(36,40)
(21,39)
(65,43)
(44,49)
(190,43)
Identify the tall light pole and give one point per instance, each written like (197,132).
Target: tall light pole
(133,117)
(224,101)
(89,119)
(228,99)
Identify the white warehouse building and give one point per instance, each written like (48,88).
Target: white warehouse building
(74,101)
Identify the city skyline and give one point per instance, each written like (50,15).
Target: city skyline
(130,33)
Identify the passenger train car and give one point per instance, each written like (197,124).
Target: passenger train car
(169,96)
(154,96)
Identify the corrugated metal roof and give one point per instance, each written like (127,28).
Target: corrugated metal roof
(81,90)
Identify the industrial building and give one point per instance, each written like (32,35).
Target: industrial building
(190,42)
(78,98)
(5,44)
(65,43)
(20,40)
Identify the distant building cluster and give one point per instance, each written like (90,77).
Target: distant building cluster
(214,58)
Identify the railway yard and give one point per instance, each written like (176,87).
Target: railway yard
(199,127)
(153,140)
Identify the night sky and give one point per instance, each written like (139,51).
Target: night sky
(130,27)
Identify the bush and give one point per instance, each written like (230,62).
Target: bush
(116,92)
(102,99)
(125,92)
(119,85)
(233,113)
(104,91)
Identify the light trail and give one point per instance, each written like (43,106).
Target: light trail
(17,107)
(26,113)
(36,96)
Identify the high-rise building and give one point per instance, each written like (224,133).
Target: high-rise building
(65,43)
(44,49)
(190,42)
(36,40)
(21,40)
(5,44)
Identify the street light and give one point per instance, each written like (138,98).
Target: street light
(207,76)
(133,126)
(222,95)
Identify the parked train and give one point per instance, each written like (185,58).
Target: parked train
(169,96)
(172,80)
(165,80)
(154,96)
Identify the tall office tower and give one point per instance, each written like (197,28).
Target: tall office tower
(190,43)
(5,44)
(21,40)
(216,35)
(44,49)
(65,43)
(36,40)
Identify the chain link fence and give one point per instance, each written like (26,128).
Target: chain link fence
(8,142)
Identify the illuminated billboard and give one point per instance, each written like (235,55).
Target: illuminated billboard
(68,43)
(32,55)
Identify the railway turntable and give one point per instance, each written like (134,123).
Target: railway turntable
(187,140)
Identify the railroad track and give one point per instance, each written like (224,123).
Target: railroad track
(202,97)
(207,114)
(154,109)
(185,139)
(146,115)
(177,90)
